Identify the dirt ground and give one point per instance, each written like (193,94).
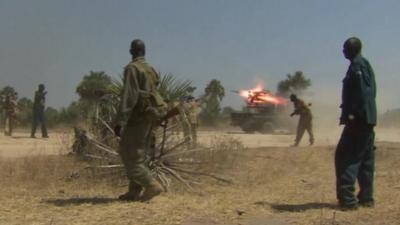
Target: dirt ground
(272,184)
(59,142)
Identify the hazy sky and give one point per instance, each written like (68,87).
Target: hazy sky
(239,42)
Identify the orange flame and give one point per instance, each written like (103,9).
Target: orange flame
(259,95)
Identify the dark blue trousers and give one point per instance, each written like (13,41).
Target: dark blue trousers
(355,161)
(39,118)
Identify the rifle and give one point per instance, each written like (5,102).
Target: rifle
(171,113)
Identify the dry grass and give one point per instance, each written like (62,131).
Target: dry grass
(296,185)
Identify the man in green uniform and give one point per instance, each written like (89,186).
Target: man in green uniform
(143,107)
(305,121)
(354,158)
(10,109)
(39,111)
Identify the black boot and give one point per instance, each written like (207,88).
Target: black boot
(133,193)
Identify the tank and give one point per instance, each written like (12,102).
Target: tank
(264,113)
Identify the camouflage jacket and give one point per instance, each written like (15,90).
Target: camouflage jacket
(140,96)
(192,112)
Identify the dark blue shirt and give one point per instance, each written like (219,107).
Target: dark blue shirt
(359,93)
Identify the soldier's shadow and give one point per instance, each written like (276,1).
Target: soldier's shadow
(22,137)
(299,207)
(80,201)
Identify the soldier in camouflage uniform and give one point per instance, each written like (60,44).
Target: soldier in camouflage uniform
(184,119)
(193,108)
(10,109)
(174,120)
(305,121)
(142,106)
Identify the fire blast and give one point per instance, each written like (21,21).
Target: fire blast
(260,96)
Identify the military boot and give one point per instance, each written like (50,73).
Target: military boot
(151,191)
(133,194)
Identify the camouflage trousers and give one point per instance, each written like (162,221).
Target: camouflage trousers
(193,130)
(305,124)
(134,150)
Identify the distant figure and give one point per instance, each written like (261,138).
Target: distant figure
(10,109)
(193,107)
(184,119)
(174,120)
(144,106)
(38,112)
(305,121)
(354,158)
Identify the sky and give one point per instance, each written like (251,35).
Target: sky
(239,42)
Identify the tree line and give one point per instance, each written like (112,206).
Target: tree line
(99,92)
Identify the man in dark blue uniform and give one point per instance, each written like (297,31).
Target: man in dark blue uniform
(354,158)
(39,111)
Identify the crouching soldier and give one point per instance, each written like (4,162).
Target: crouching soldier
(305,120)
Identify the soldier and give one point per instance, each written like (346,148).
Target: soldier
(305,121)
(175,120)
(39,111)
(184,119)
(193,108)
(10,109)
(354,157)
(144,107)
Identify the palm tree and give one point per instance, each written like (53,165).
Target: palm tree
(173,89)
(214,93)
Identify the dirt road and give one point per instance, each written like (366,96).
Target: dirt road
(20,144)
(59,142)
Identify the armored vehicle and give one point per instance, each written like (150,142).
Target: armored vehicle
(264,113)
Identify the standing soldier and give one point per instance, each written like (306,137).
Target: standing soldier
(175,121)
(39,111)
(354,158)
(143,106)
(305,121)
(10,109)
(193,118)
